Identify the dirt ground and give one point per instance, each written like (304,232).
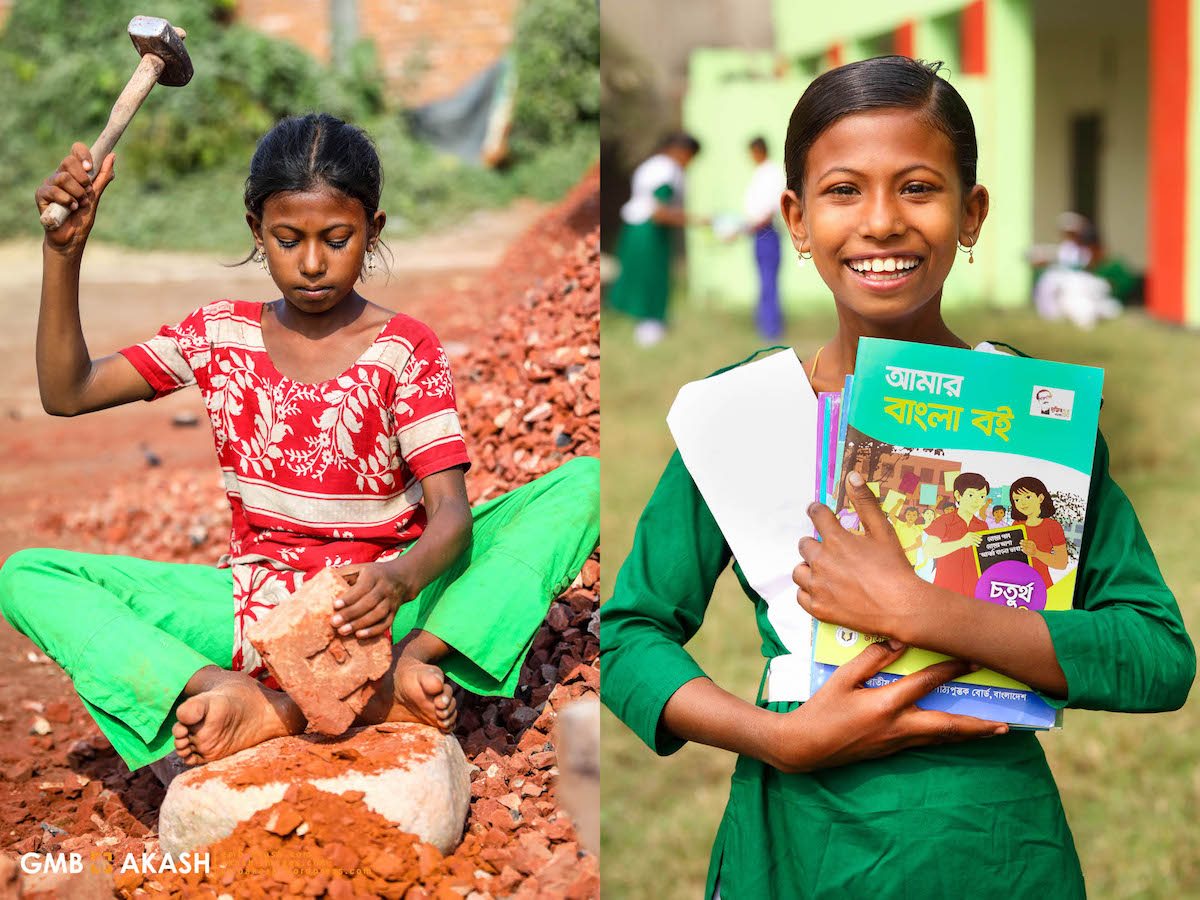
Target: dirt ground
(69,479)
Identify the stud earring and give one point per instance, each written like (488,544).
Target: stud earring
(970,250)
(261,259)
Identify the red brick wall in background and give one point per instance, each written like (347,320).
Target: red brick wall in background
(428,48)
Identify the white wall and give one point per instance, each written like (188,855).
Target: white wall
(1093,58)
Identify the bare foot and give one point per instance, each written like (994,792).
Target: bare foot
(421,691)
(236,713)
(413,691)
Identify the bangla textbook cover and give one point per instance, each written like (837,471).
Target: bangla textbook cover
(957,443)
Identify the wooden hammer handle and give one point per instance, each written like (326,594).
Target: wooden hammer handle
(136,91)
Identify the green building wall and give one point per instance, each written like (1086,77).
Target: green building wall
(734,95)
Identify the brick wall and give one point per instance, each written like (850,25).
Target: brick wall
(306,24)
(428,48)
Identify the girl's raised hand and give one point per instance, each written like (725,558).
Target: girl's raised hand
(376,592)
(74,186)
(861,581)
(845,722)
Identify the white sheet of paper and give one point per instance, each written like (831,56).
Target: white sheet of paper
(748,439)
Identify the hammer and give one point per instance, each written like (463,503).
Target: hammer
(165,61)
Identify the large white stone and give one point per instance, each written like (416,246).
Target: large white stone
(426,792)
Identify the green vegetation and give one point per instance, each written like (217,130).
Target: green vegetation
(558,74)
(182,160)
(1128,782)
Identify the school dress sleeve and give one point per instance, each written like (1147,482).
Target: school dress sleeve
(1123,647)
(427,425)
(168,359)
(938,528)
(658,603)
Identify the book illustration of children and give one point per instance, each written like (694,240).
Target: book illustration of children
(849,519)
(925,566)
(953,537)
(337,432)
(1046,542)
(908,529)
(997,516)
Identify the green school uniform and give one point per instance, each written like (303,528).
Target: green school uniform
(131,632)
(978,819)
(644,250)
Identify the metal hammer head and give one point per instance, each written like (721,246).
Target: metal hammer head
(151,35)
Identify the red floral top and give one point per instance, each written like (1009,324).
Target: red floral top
(317,475)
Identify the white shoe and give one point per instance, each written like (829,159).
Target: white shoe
(649,332)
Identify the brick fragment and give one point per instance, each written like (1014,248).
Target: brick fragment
(328,675)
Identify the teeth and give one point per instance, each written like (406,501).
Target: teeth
(882,264)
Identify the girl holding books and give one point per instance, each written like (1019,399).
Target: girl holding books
(859,792)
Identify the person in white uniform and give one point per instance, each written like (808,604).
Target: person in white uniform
(761,207)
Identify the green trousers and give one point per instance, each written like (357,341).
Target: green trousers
(130,633)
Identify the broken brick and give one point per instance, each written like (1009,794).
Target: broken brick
(328,675)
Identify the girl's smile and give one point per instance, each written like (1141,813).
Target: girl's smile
(882,273)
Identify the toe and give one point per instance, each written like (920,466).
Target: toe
(192,710)
(431,681)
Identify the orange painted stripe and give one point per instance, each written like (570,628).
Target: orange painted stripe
(1168,193)
(972,38)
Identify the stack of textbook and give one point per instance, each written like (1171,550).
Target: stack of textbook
(957,443)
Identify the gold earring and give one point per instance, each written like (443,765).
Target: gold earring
(371,260)
(261,259)
(801,257)
(970,249)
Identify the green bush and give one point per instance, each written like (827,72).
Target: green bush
(557,51)
(182,160)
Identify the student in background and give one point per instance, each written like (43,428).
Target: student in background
(761,207)
(655,206)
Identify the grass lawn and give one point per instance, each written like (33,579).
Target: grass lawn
(1130,783)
